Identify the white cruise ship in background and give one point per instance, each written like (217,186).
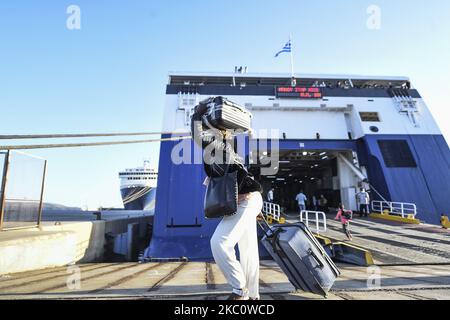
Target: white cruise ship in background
(138,187)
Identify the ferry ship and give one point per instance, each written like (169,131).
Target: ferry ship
(138,187)
(326,126)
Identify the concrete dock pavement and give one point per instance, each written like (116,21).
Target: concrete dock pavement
(204,281)
(412,263)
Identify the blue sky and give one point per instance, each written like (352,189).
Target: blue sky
(110,75)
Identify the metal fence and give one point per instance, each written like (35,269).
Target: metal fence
(320,220)
(272,210)
(22,188)
(396,208)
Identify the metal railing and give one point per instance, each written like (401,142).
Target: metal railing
(272,210)
(21,191)
(320,220)
(396,208)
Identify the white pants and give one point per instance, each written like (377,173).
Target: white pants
(239,229)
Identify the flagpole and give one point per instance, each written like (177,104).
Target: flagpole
(293,82)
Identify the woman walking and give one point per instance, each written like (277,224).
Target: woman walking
(345,216)
(240,228)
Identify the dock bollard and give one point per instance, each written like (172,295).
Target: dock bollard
(98,215)
(445,222)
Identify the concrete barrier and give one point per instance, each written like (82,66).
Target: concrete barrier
(90,238)
(32,250)
(58,244)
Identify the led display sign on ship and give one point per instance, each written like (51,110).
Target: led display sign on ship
(299,92)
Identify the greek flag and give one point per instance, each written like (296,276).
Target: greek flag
(287,48)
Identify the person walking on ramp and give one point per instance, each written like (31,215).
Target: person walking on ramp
(301,200)
(239,227)
(345,216)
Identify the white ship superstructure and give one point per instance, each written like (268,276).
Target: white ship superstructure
(138,187)
(331,131)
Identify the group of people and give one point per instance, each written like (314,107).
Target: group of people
(321,204)
(317,203)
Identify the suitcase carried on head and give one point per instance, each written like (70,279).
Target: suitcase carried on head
(226,115)
(300,256)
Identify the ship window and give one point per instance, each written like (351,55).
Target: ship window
(369,116)
(397,154)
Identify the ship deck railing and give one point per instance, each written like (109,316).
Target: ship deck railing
(402,209)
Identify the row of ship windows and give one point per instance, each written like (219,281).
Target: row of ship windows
(145,178)
(137,173)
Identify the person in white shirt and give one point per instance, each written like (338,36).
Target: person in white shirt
(270,195)
(301,200)
(363,199)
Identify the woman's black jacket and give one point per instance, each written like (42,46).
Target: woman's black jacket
(215,168)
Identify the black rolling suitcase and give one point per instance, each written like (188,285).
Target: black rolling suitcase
(224,114)
(300,256)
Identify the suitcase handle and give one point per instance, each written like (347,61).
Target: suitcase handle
(274,242)
(312,254)
(266,227)
(273,235)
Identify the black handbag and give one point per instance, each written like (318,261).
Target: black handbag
(221,195)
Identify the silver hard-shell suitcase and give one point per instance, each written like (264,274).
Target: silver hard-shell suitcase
(301,257)
(225,114)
